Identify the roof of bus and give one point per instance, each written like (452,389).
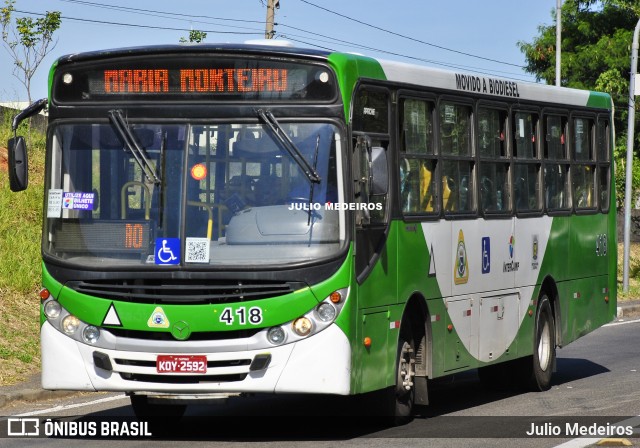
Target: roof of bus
(195,48)
(493,87)
(362,66)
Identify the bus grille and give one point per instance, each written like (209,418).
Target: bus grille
(169,291)
(183,379)
(195,336)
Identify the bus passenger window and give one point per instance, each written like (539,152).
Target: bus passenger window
(494,187)
(417,165)
(524,135)
(556,137)
(527,187)
(456,186)
(583,186)
(556,186)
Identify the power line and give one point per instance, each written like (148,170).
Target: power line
(153,12)
(293,37)
(409,37)
(365,47)
(103,22)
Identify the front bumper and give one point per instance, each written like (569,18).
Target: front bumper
(320,364)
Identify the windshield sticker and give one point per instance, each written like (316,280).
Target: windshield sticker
(197,250)
(158,319)
(78,201)
(54,203)
(167,251)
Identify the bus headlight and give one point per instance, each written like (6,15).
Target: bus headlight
(70,324)
(317,319)
(302,326)
(276,335)
(52,309)
(91,334)
(326,312)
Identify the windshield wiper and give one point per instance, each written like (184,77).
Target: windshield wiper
(288,144)
(132,145)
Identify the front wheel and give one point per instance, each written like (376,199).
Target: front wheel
(539,366)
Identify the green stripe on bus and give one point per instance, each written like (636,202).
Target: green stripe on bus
(599,100)
(349,68)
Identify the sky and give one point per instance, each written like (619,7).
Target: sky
(463,35)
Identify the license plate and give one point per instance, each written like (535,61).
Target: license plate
(181,364)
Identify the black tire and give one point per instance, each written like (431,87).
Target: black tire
(538,368)
(144,410)
(403,394)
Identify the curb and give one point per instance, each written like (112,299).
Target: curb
(627,310)
(33,395)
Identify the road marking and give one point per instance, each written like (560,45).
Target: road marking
(614,324)
(583,442)
(71,406)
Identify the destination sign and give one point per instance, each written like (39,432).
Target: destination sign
(172,78)
(187,80)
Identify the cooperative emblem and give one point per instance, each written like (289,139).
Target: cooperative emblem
(158,319)
(461,269)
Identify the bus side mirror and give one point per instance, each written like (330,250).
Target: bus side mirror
(379,171)
(18,166)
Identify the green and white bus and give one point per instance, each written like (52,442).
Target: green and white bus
(228,219)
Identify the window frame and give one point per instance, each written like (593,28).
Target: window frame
(504,160)
(565,162)
(433,157)
(470,158)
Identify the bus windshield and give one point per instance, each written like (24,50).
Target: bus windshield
(192,194)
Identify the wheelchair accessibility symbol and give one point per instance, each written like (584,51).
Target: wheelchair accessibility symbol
(167,251)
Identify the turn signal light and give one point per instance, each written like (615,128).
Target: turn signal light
(367,342)
(335,297)
(44,294)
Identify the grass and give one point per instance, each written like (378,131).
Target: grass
(634,272)
(20,272)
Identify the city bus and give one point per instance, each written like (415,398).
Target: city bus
(234,219)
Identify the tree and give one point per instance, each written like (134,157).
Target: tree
(195,36)
(28,42)
(596,42)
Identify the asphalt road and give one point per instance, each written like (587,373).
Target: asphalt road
(595,386)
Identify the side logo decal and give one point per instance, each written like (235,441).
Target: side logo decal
(461,269)
(511,265)
(486,255)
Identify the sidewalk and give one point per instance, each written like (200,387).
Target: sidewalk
(31,390)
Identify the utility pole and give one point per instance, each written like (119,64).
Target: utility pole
(272,5)
(628,191)
(558,39)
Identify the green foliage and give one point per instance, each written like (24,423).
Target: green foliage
(27,40)
(596,46)
(20,261)
(195,36)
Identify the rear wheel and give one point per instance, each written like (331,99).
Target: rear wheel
(539,366)
(404,390)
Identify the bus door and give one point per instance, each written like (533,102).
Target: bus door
(375,252)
